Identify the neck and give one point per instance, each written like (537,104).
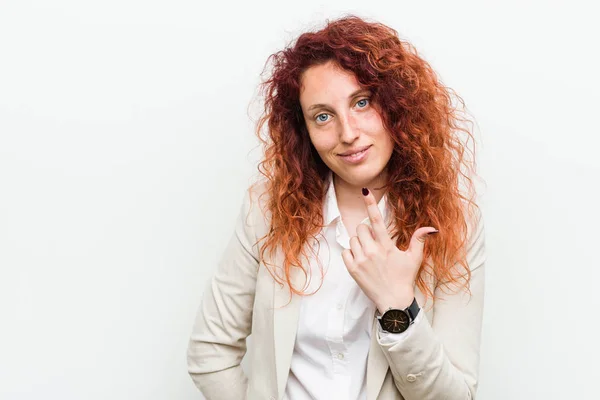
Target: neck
(350,196)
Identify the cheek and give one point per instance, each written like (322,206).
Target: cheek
(374,121)
(323,142)
(378,131)
(386,142)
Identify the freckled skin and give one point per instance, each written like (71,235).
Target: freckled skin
(345,123)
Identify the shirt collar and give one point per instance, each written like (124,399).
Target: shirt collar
(331,210)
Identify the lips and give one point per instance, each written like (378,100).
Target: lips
(356,158)
(354,151)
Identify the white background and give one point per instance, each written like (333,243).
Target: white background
(126,143)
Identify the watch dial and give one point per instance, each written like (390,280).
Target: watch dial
(395,321)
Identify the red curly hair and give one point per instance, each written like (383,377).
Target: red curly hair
(424,172)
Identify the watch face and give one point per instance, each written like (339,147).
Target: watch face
(395,321)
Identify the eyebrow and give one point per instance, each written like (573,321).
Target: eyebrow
(353,94)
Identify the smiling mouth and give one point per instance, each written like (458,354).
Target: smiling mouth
(356,152)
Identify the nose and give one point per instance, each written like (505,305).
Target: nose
(348,129)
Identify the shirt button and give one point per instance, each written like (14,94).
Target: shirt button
(340,356)
(411,378)
(339,306)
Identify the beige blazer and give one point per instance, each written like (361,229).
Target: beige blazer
(438,360)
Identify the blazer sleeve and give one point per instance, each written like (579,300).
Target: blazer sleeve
(223,321)
(440,360)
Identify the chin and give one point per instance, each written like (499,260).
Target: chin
(359,178)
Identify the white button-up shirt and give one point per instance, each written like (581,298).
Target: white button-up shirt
(334,328)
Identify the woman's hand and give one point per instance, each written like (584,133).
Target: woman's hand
(385,273)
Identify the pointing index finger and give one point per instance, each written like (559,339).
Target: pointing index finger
(377,222)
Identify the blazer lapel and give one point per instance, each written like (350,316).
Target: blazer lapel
(285,326)
(285,323)
(377,366)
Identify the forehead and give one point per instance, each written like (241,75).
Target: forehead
(326,83)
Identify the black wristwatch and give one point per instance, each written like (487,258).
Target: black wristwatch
(397,321)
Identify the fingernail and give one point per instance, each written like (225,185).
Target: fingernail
(365,191)
(431,233)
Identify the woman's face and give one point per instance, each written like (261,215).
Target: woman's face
(340,118)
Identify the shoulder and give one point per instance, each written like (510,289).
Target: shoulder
(254,207)
(475,233)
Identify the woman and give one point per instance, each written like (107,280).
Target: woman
(358,263)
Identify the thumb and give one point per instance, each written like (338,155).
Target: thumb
(417,242)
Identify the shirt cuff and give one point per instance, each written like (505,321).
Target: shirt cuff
(384,337)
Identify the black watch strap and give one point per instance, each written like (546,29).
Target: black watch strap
(413,309)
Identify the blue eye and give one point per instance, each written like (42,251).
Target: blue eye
(363,102)
(321,119)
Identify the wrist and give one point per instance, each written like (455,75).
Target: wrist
(400,302)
